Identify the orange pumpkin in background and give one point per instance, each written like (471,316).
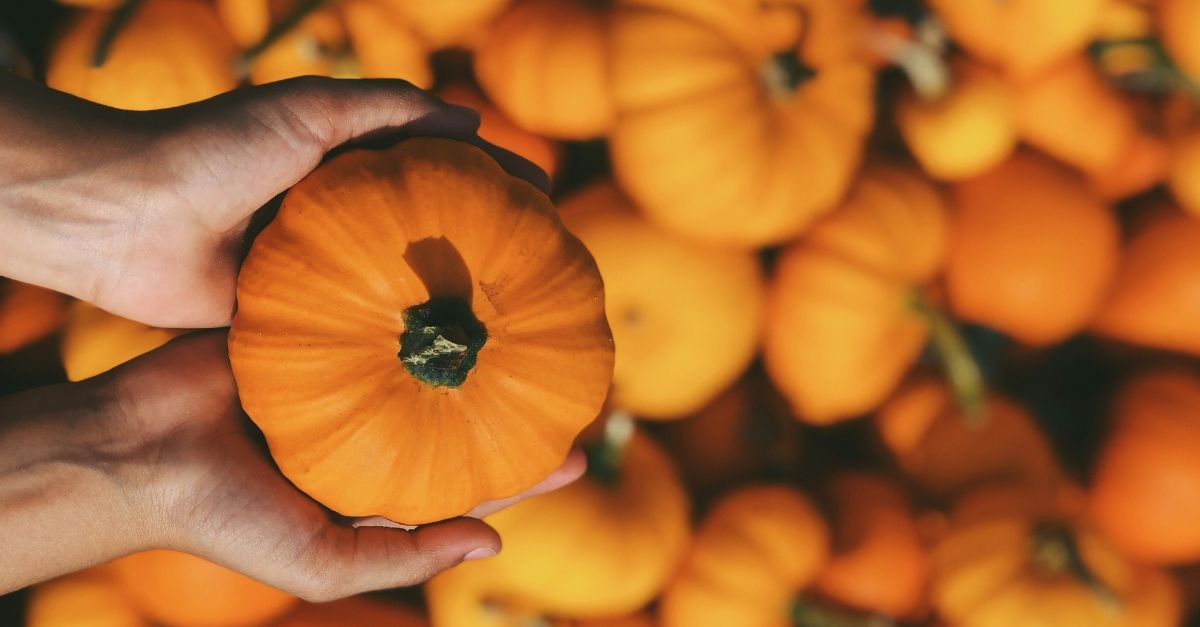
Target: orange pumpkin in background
(247,21)
(1146,490)
(356,611)
(1144,165)
(181,590)
(448,22)
(1024,37)
(686,317)
(1154,300)
(384,45)
(1184,172)
(1177,20)
(88,598)
(95,341)
(499,130)
(739,123)
(842,329)
(1010,266)
(169,53)
(416,282)
(28,313)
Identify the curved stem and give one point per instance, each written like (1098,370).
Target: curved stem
(922,59)
(1161,75)
(1055,551)
(119,19)
(606,456)
(278,31)
(958,364)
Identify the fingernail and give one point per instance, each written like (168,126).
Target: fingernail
(480,553)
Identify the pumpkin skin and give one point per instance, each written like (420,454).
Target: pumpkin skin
(385,46)
(686,317)
(182,590)
(1023,37)
(1177,21)
(1145,164)
(95,341)
(879,562)
(448,22)
(1032,250)
(248,21)
(545,64)
(753,553)
(170,53)
(589,550)
(353,612)
(1183,174)
(498,129)
(841,328)
(89,598)
(423,245)
(711,140)
(1154,300)
(1145,495)
(28,313)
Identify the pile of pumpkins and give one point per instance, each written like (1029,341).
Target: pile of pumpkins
(829,232)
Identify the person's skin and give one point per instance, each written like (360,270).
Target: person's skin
(145,215)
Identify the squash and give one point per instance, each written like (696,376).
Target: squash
(358,611)
(1145,164)
(1032,250)
(1183,174)
(499,130)
(1177,20)
(1145,492)
(842,324)
(28,313)
(739,123)
(415,282)
(945,454)
(447,23)
(181,590)
(88,598)
(754,553)
(686,317)
(385,46)
(879,562)
(1023,37)
(603,546)
(95,341)
(169,53)
(1153,300)
(1020,561)
(545,64)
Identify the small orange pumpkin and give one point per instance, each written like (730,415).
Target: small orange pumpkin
(28,313)
(1177,21)
(384,45)
(1145,164)
(358,611)
(686,317)
(409,284)
(248,21)
(95,341)
(1032,250)
(169,53)
(89,598)
(1183,175)
(545,64)
(739,122)
(448,23)
(498,129)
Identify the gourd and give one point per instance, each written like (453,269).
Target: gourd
(88,598)
(95,341)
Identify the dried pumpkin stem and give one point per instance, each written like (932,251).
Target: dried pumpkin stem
(119,19)
(1160,74)
(806,613)
(922,59)
(1055,551)
(278,30)
(441,341)
(605,456)
(962,373)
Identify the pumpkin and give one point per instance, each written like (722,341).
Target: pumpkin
(1032,250)
(945,453)
(1023,37)
(544,63)
(603,546)
(1144,164)
(966,130)
(28,313)
(1177,21)
(355,611)
(95,341)
(1154,301)
(89,598)
(1020,562)
(739,123)
(754,553)
(182,590)
(1183,174)
(499,130)
(448,22)
(169,53)
(384,46)
(247,21)
(415,282)
(686,317)
(879,562)
(1145,493)
(842,329)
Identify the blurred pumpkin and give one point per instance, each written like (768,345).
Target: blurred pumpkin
(602,546)
(1032,250)
(1154,300)
(448,22)
(754,554)
(1143,165)
(1023,37)
(545,64)
(1184,172)
(169,53)
(88,598)
(739,123)
(385,46)
(945,453)
(841,325)
(181,590)
(1146,490)
(358,611)
(499,130)
(95,341)
(879,562)
(430,249)
(28,313)
(685,316)
(1177,20)
(247,21)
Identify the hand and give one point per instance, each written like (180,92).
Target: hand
(144,214)
(157,454)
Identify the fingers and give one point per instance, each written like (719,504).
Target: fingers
(571,469)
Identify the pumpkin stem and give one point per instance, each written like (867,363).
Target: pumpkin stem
(785,72)
(922,59)
(806,613)
(278,31)
(962,373)
(1141,64)
(441,341)
(605,456)
(119,19)
(1056,552)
